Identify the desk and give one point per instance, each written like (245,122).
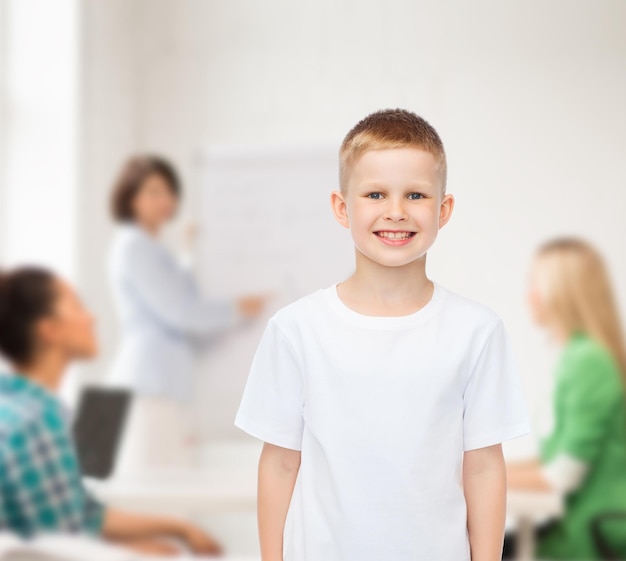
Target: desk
(209,491)
(74,547)
(219,491)
(526,509)
(227,483)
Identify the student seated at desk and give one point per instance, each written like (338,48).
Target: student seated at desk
(584,457)
(43,328)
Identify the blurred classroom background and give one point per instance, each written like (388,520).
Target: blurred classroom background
(528,97)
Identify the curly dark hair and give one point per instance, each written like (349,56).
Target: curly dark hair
(27,294)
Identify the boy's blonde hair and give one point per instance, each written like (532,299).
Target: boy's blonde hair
(390,128)
(575,285)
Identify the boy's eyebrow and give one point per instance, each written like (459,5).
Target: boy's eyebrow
(411,185)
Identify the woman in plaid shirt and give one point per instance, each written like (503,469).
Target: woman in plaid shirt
(43,328)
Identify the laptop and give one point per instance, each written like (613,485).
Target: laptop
(98,429)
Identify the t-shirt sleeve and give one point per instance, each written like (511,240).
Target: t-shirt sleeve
(494,409)
(271,408)
(591,392)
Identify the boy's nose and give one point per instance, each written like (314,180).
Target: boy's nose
(395,211)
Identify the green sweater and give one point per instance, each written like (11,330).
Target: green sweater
(590,425)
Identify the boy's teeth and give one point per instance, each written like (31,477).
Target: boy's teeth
(395,235)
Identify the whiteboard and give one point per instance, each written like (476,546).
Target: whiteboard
(265,226)
(267,222)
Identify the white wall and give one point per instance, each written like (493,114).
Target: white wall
(528,97)
(38,96)
(108,135)
(38,134)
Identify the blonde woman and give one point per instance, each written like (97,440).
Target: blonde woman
(584,457)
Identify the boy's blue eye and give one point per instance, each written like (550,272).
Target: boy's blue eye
(416,196)
(375,195)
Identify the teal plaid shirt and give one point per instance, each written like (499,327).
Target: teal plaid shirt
(41,489)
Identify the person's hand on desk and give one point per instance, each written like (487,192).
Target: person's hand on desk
(151,534)
(193,539)
(152,547)
(526,476)
(199,541)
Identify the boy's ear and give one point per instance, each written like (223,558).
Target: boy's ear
(340,210)
(445,210)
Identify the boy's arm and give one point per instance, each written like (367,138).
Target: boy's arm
(278,469)
(484,483)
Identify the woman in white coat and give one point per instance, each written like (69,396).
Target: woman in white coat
(164,318)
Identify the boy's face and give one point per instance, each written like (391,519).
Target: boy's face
(393,205)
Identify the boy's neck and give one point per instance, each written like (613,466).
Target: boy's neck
(374,289)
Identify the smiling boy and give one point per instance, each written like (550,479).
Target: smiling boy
(383,399)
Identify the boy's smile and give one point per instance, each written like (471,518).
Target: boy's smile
(393,205)
(395,237)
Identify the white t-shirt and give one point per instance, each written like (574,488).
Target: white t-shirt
(382,409)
